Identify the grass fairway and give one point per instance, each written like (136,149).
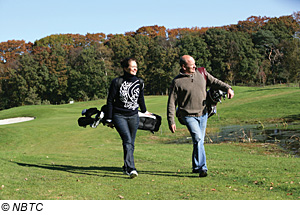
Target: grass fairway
(53,158)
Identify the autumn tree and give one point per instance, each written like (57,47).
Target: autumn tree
(62,40)
(283,27)
(57,68)
(250,25)
(152,31)
(11,49)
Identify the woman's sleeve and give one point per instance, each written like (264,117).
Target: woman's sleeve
(110,99)
(141,100)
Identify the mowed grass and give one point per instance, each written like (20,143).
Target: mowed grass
(52,157)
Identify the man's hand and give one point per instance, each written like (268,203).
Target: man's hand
(230,93)
(172,128)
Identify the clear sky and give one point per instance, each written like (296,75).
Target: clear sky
(32,20)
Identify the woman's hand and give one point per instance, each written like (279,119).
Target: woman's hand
(110,124)
(148,113)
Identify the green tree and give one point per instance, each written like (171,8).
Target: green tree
(87,79)
(120,47)
(139,47)
(217,43)
(283,27)
(52,66)
(266,42)
(291,59)
(242,58)
(194,45)
(160,70)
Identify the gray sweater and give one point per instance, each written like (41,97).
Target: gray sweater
(188,92)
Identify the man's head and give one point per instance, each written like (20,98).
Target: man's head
(187,64)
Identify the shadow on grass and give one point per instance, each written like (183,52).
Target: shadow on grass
(103,171)
(292,118)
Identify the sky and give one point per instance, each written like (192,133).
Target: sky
(31,20)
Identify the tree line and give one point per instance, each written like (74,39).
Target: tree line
(64,67)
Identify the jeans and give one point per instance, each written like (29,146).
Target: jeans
(197,127)
(127,127)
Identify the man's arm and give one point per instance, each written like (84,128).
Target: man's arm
(218,84)
(172,101)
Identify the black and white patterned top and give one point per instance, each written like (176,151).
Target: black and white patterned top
(127,97)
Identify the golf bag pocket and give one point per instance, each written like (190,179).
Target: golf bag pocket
(89,112)
(88,119)
(84,121)
(149,122)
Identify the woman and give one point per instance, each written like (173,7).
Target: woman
(126,95)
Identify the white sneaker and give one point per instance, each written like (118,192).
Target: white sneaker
(133,174)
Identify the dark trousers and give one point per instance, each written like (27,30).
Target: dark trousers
(127,127)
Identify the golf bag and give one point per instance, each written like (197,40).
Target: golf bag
(87,118)
(212,98)
(147,122)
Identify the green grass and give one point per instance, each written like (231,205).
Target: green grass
(52,157)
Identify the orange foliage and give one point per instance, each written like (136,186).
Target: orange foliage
(97,38)
(152,31)
(177,32)
(250,25)
(11,49)
(9,52)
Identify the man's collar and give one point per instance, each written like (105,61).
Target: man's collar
(186,74)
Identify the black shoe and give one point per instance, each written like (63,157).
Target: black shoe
(196,171)
(203,173)
(125,172)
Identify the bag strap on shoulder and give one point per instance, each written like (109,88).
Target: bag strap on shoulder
(202,71)
(119,82)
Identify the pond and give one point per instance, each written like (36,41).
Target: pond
(287,136)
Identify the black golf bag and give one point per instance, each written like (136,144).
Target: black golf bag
(87,118)
(147,122)
(212,98)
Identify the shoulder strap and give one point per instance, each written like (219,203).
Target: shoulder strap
(141,83)
(202,71)
(119,82)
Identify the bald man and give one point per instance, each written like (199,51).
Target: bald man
(188,93)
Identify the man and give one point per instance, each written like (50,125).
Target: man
(188,92)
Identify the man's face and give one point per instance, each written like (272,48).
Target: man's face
(190,67)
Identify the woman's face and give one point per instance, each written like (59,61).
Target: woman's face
(132,69)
